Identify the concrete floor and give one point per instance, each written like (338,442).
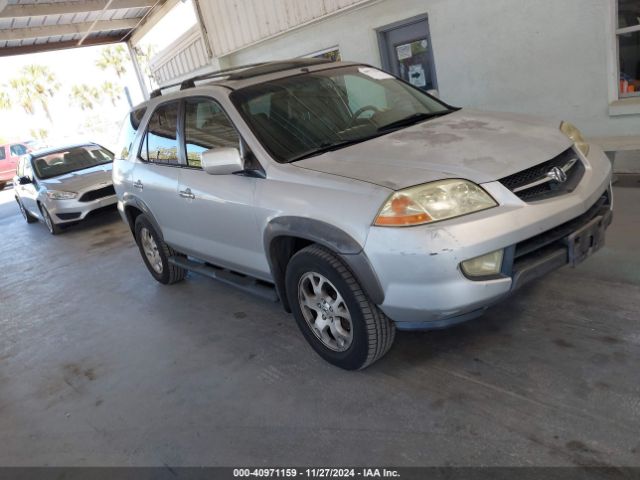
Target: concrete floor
(100,365)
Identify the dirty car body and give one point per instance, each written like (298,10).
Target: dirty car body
(62,185)
(436,212)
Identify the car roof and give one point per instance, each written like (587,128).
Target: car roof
(247,75)
(50,150)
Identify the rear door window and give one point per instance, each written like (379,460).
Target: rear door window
(160,144)
(2,154)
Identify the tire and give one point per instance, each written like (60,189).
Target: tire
(48,221)
(26,215)
(351,338)
(163,271)
(2,185)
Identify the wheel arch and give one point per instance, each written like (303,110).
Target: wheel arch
(135,207)
(285,236)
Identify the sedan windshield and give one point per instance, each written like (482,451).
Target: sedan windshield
(304,115)
(70,160)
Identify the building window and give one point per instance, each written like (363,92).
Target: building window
(332,54)
(628,36)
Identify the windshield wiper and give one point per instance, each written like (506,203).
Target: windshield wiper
(328,147)
(412,119)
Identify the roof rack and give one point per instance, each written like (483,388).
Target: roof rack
(190,82)
(244,71)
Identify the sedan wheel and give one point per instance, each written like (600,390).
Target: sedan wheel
(52,227)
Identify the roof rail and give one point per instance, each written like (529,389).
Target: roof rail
(243,71)
(190,82)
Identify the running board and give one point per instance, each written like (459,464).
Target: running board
(242,282)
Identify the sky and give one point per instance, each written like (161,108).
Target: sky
(77,66)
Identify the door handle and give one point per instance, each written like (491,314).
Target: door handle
(138,184)
(186,194)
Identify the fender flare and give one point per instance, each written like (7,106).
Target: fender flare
(139,204)
(329,236)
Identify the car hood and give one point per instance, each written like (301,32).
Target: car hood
(98,176)
(478,146)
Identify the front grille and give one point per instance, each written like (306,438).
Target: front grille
(68,216)
(555,236)
(96,194)
(535,184)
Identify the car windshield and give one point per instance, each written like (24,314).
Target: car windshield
(70,160)
(305,115)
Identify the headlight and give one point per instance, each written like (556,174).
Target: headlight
(574,134)
(433,202)
(489,264)
(59,195)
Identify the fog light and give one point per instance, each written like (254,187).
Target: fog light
(489,264)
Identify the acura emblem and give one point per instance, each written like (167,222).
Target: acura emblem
(557,174)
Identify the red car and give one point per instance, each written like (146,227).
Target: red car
(9,155)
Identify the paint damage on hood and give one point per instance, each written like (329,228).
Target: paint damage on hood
(477,146)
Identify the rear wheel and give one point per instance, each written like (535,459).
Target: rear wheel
(2,185)
(26,215)
(334,314)
(156,253)
(48,221)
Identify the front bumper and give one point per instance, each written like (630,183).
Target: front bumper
(66,211)
(418,267)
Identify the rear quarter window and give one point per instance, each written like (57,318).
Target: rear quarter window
(128,132)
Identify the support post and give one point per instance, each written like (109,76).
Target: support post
(138,70)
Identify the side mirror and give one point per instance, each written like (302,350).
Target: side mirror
(24,181)
(434,93)
(222,161)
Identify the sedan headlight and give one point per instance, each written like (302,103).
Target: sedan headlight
(433,202)
(574,134)
(60,195)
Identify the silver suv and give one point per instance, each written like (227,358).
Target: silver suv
(362,204)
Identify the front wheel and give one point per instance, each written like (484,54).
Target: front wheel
(334,314)
(48,221)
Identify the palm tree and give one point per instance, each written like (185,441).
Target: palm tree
(85,96)
(35,85)
(111,91)
(144,54)
(39,133)
(114,58)
(5,101)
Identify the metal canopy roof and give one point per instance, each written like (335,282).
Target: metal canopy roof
(28,26)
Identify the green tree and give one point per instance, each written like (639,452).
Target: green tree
(36,85)
(114,58)
(144,54)
(85,96)
(112,91)
(5,101)
(39,133)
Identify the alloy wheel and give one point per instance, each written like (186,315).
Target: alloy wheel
(47,219)
(22,210)
(150,249)
(325,311)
